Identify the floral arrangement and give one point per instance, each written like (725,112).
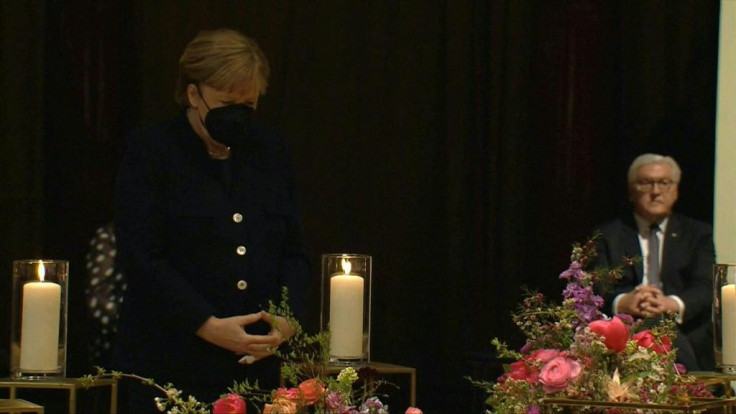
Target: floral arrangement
(353,391)
(575,352)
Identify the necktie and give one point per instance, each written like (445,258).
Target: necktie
(653,259)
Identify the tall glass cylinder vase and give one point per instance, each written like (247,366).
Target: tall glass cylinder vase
(39,319)
(724,316)
(346,306)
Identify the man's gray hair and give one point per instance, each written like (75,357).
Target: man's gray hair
(646,159)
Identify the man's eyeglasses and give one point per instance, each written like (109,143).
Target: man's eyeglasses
(648,185)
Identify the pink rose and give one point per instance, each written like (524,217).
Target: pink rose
(527,369)
(283,401)
(680,368)
(544,355)
(614,332)
(229,404)
(558,373)
(311,390)
(288,394)
(646,339)
(413,410)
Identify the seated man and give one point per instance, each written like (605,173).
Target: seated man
(675,273)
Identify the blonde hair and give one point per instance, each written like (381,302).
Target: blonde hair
(224,59)
(646,159)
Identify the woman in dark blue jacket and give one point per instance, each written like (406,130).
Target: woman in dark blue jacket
(207,231)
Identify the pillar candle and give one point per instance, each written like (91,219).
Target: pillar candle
(728,323)
(39,343)
(346,316)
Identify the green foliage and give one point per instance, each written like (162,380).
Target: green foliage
(173,400)
(306,354)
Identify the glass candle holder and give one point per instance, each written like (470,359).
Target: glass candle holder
(724,317)
(39,319)
(346,306)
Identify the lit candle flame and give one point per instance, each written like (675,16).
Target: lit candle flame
(41,271)
(346,266)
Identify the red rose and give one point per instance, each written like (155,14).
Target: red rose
(311,390)
(229,404)
(519,370)
(558,373)
(646,339)
(614,332)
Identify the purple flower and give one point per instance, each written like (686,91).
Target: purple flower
(534,409)
(575,271)
(627,319)
(586,303)
(335,403)
(373,406)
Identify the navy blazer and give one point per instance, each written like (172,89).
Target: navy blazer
(686,270)
(199,237)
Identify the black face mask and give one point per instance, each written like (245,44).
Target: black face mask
(230,125)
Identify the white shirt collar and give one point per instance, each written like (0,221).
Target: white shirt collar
(644,225)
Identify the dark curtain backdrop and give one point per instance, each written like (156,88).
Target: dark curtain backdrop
(465,145)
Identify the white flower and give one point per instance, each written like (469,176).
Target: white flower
(619,392)
(173,392)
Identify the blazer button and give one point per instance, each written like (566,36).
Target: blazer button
(237,217)
(240,250)
(242,284)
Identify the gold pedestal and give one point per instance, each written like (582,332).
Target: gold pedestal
(69,384)
(19,406)
(554,405)
(719,379)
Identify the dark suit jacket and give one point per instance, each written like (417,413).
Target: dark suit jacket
(686,271)
(200,237)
